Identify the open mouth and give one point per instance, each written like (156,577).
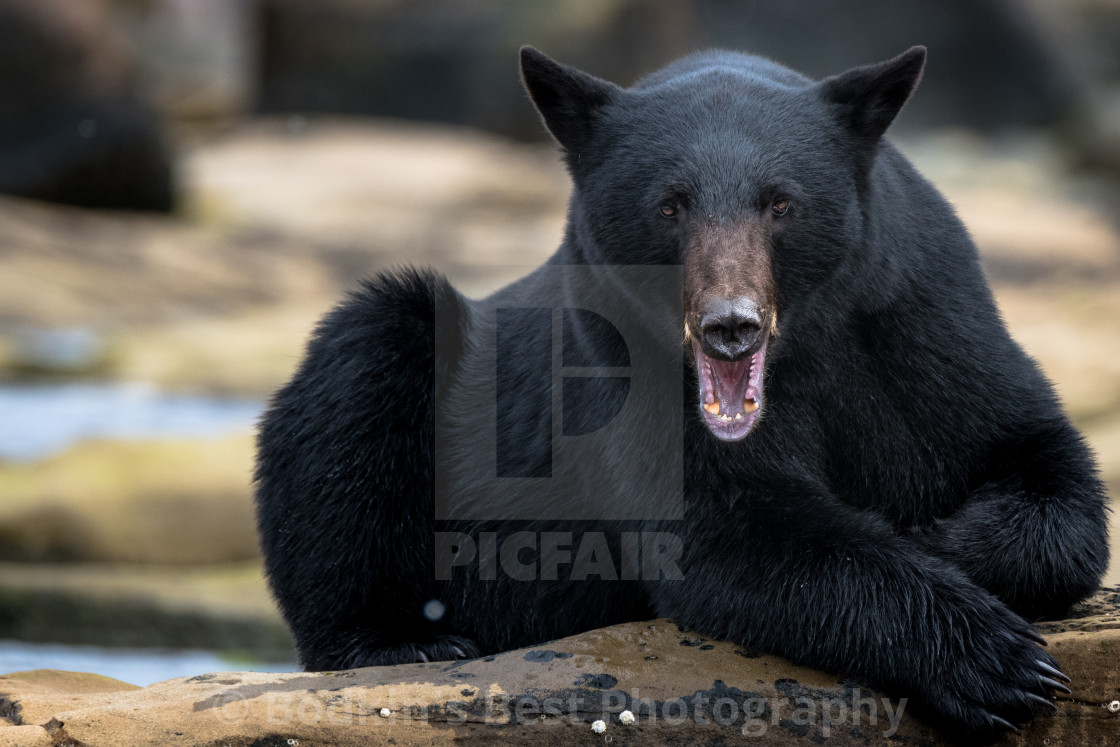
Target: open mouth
(730,392)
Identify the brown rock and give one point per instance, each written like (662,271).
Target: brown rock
(680,687)
(73,125)
(995,61)
(25,736)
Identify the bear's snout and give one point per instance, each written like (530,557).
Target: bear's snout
(731,329)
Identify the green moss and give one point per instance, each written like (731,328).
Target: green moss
(156,501)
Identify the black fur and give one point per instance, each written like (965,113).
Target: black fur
(910,494)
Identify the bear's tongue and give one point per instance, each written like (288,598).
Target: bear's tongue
(730,393)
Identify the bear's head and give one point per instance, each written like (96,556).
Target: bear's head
(751,177)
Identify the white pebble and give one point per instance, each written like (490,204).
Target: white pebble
(626,717)
(599,726)
(384,713)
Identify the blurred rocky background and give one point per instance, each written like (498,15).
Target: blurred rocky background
(188,184)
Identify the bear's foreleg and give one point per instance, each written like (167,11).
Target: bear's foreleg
(826,586)
(1035,531)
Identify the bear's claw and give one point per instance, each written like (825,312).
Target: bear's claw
(1054,685)
(1051,671)
(1004,724)
(1045,702)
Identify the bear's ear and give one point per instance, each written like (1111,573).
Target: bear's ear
(567,99)
(869,97)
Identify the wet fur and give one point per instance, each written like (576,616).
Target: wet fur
(911,496)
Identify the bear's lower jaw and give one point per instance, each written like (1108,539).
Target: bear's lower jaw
(730,393)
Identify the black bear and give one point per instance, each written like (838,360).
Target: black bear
(762,388)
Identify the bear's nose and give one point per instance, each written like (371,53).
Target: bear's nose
(730,329)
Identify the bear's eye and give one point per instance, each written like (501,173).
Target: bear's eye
(668,211)
(780,207)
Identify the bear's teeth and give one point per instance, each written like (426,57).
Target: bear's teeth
(749,405)
(712,408)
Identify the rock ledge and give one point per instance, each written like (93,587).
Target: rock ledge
(679,686)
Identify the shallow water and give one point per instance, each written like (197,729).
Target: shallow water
(137,666)
(38,420)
